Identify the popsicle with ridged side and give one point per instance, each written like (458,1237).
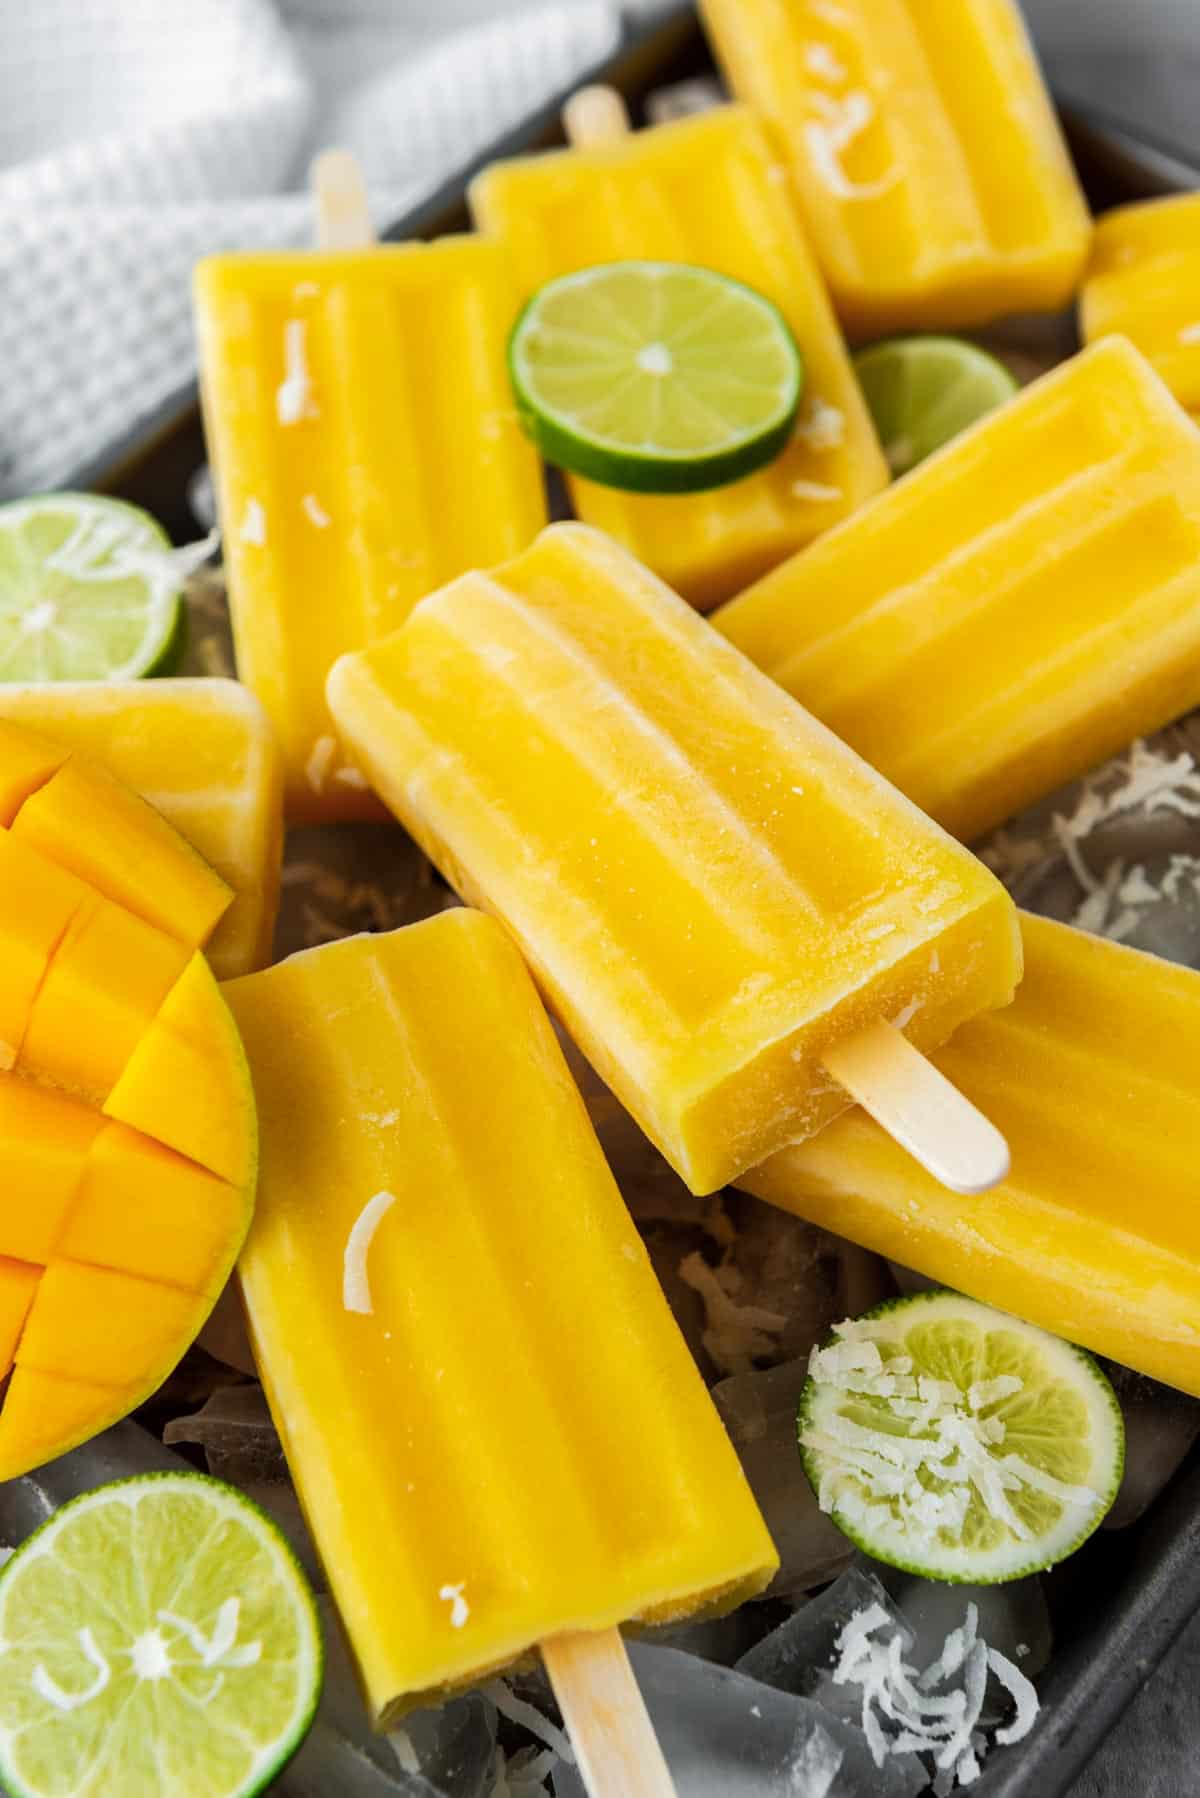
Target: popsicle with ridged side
(1095,1235)
(1019,607)
(429,1247)
(706,190)
(927,157)
(715,893)
(365,448)
(1143,280)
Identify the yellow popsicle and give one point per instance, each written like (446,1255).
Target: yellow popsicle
(496,1429)
(713,891)
(706,190)
(926,154)
(1143,279)
(202,753)
(366,449)
(1095,1235)
(1016,609)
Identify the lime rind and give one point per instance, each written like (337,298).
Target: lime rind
(1041,1483)
(655,377)
(90,589)
(924,391)
(76,1614)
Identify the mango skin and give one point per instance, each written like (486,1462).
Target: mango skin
(128,1132)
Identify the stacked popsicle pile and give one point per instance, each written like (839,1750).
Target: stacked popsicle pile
(746,922)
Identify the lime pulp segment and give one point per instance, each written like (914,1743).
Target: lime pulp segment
(657,377)
(90,589)
(958,1443)
(156,1635)
(922,391)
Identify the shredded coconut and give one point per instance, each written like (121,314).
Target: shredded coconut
(460,1610)
(293,395)
(841,122)
(352,777)
(822,61)
(254,524)
(815,490)
(320,762)
(527,1716)
(936,1713)
(736,1335)
(821,425)
(356,1288)
(315,512)
(922,1477)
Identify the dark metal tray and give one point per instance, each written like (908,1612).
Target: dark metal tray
(1119,1604)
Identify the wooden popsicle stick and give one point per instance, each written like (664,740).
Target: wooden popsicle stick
(918,1106)
(605,1714)
(595,116)
(340,193)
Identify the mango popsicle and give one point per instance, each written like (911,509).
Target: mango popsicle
(704,190)
(1143,279)
(496,1429)
(715,893)
(927,157)
(1016,609)
(1094,1235)
(202,753)
(365,448)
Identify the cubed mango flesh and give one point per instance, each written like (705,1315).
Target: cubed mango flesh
(121,847)
(45,1139)
(26,762)
(18,1284)
(45,1414)
(187,1083)
(147,1210)
(113,971)
(109,1325)
(37,903)
(117,1233)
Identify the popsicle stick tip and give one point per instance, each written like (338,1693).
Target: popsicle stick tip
(594,116)
(920,1108)
(340,195)
(614,1741)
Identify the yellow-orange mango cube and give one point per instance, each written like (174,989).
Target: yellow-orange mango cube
(120,846)
(187,1084)
(109,1325)
(113,971)
(37,903)
(18,1283)
(44,1414)
(144,1209)
(45,1138)
(26,763)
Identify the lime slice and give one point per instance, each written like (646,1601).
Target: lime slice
(90,589)
(922,391)
(658,377)
(157,1635)
(957,1443)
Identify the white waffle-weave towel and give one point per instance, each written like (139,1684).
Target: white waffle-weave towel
(138,135)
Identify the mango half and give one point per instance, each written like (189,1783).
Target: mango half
(128,1136)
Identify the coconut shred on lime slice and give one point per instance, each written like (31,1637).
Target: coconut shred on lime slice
(656,377)
(156,1636)
(957,1443)
(90,589)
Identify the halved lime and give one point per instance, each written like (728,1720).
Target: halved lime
(922,391)
(658,377)
(157,1635)
(958,1443)
(90,589)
